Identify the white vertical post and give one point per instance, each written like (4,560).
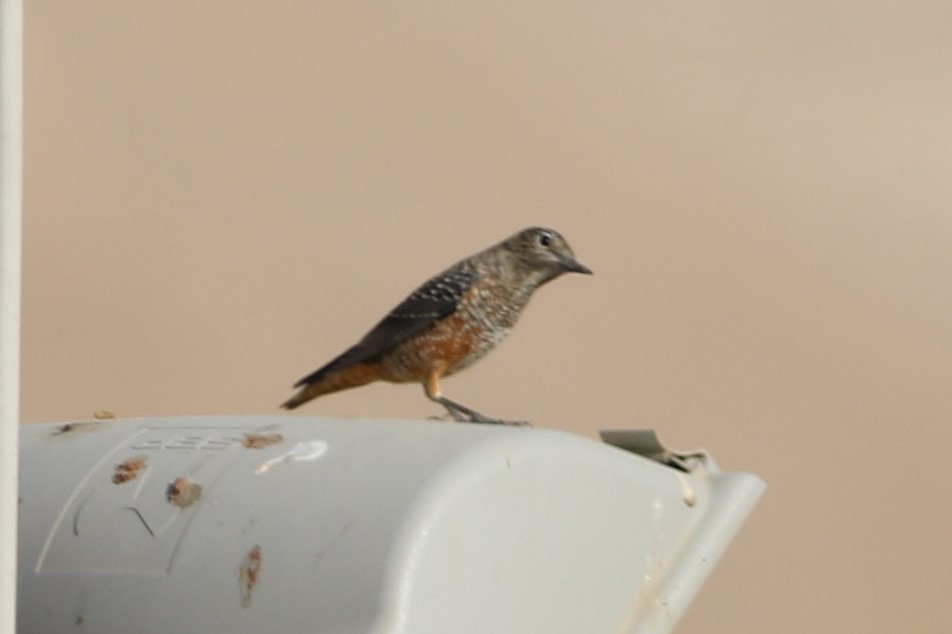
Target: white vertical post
(11,207)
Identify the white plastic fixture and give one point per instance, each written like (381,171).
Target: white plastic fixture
(11,203)
(287,524)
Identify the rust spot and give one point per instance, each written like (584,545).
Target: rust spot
(257,441)
(128,470)
(183,492)
(103,414)
(248,574)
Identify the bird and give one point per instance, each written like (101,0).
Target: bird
(451,321)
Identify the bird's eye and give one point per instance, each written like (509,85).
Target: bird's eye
(544,239)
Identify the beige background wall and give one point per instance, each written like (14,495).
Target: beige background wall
(220,196)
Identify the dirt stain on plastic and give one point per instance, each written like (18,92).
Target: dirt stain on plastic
(183,492)
(128,470)
(75,427)
(248,574)
(257,441)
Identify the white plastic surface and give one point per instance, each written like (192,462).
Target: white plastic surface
(11,211)
(359,526)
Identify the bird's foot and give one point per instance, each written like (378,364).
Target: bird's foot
(463,414)
(498,421)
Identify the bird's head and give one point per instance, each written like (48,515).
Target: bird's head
(543,254)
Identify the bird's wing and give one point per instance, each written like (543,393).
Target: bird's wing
(436,299)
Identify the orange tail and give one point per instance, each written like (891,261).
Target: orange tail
(353,376)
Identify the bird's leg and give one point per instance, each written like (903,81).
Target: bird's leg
(459,412)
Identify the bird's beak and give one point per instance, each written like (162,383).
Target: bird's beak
(574,266)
